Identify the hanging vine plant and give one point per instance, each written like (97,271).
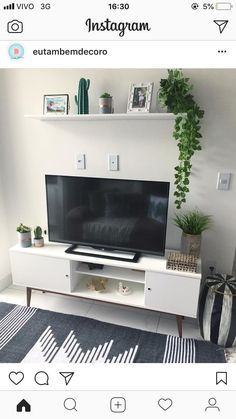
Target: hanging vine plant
(175,94)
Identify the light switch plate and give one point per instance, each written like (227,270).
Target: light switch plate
(80,161)
(223,181)
(113,162)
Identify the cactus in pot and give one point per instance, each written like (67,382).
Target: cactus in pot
(24,235)
(38,237)
(81,99)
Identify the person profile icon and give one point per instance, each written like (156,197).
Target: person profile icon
(212,405)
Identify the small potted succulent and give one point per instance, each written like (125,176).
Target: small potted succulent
(192,223)
(105,103)
(24,235)
(38,237)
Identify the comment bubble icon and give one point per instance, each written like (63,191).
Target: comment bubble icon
(41,378)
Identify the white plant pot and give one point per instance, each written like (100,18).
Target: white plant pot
(25,239)
(39,242)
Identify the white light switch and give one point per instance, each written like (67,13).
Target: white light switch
(80,161)
(223,181)
(113,162)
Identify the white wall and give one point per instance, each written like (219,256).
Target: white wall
(32,148)
(4,242)
(4,238)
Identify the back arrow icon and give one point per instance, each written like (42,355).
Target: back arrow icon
(221,24)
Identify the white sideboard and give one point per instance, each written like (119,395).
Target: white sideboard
(152,286)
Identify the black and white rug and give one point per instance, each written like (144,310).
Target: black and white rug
(28,335)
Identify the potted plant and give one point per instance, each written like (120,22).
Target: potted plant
(24,235)
(192,223)
(38,237)
(175,94)
(105,103)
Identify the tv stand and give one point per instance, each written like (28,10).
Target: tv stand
(112,254)
(152,286)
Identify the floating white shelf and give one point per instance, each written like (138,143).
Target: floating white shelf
(105,117)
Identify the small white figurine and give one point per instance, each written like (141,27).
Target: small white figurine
(123,289)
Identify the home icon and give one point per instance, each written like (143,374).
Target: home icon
(23,406)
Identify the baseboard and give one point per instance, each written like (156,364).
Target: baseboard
(5,282)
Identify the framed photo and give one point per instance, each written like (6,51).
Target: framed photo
(56,104)
(140,96)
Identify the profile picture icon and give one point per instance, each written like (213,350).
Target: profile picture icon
(16,51)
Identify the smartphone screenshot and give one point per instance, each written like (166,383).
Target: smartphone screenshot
(117,209)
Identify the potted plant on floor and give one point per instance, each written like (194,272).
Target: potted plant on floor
(38,237)
(192,223)
(24,235)
(105,103)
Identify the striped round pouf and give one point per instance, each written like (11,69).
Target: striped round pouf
(217,310)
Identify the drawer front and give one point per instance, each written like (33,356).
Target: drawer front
(173,294)
(40,272)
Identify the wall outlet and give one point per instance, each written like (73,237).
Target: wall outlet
(211,266)
(113,162)
(80,161)
(223,181)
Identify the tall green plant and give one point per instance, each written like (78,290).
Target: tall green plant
(175,94)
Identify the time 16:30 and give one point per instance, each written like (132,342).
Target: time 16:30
(120,6)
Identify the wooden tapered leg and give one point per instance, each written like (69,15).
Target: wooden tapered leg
(28,296)
(179,320)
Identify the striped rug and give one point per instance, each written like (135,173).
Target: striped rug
(34,335)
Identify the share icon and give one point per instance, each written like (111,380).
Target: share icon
(221,24)
(67,376)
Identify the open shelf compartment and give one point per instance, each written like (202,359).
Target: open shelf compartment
(112,272)
(135,298)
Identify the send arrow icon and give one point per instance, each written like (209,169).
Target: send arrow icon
(67,376)
(221,24)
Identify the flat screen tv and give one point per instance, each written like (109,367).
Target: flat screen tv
(104,213)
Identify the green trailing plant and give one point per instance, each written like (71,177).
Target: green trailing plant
(175,93)
(193,222)
(23,229)
(38,233)
(81,99)
(105,96)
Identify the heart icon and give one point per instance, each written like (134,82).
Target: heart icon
(16,377)
(165,404)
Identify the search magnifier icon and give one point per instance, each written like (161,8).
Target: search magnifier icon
(70,404)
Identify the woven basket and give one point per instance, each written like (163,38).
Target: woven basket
(217,310)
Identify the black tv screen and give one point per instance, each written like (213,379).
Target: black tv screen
(120,214)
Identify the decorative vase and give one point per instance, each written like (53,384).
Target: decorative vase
(81,99)
(39,242)
(25,239)
(105,105)
(191,244)
(217,310)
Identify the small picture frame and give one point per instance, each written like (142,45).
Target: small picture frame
(140,97)
(56,104)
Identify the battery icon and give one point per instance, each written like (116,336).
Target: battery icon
(224,6)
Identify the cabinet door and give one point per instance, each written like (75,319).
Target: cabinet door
(173,294)
(40,272)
